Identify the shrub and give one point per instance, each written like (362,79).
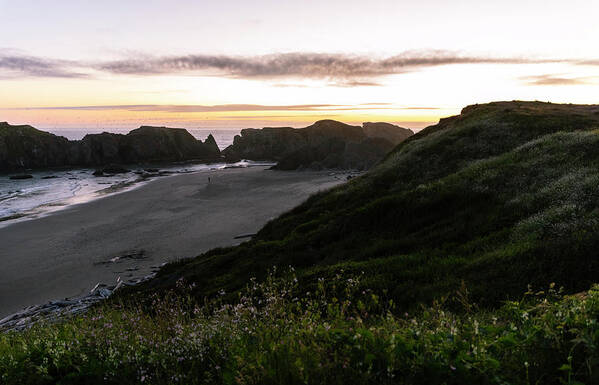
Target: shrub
(337,334)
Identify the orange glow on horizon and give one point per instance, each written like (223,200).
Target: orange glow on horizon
(123,118)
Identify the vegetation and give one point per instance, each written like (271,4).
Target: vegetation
(277,334)
(502,196)
(412,273)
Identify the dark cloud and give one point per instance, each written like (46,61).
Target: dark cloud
(555,80)
(29,66)
(302,65)
(339,69)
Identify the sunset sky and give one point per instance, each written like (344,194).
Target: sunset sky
(120,64)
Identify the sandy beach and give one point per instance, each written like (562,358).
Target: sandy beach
(68,252)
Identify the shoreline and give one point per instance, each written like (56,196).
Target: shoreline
(113,187)
(65,253)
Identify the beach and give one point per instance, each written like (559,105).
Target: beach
(127,235)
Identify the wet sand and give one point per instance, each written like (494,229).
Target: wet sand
(68,252)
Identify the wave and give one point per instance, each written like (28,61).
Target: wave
(30,198)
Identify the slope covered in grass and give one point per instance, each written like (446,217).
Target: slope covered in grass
(402,276)
(278,334)
(503,195)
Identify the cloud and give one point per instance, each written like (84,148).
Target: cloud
(339,70)
(588,62)
(193,108)
(303,65)
(418,108)
(355,83)
(14,66)
(290,85)
(338,83)
(229,108)
(555,80)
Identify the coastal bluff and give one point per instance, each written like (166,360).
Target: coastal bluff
(324,144)
(25,147)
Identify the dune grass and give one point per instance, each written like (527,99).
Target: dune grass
(276,333)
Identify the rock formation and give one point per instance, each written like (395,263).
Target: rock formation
(325,144)
(391,132)
(24,147)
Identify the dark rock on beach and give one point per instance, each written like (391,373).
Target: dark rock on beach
(24,147)
(391,132)
(325,144)
(22,176)
(110,170)
(145,144)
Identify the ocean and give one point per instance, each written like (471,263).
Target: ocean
(51,190)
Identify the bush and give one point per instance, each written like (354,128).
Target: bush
(338,334)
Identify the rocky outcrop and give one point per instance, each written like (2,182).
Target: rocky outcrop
(391,132)
(24,147)
(325,144)
(145,144)
(269,143)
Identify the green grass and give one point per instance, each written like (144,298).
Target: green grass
(445,235)
(499,197)
(276,333)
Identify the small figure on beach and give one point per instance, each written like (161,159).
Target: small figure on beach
(208,179)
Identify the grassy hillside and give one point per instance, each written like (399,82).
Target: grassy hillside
(502,196)
(277,334)
(402,276)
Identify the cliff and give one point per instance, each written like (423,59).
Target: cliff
(325,144)
(24,147)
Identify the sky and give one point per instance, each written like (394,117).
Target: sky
(234,64)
